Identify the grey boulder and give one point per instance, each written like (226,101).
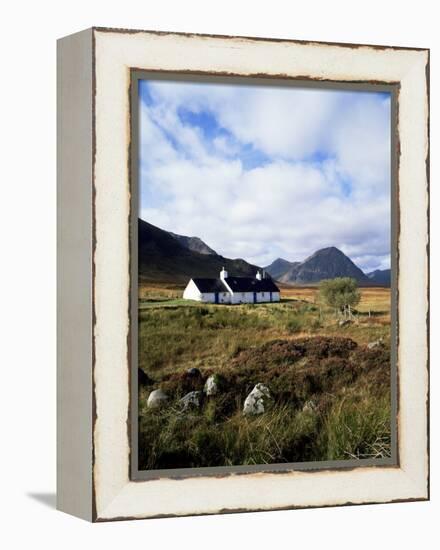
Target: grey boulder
(156,399)
(256,402)
(193,400)
(194,373)
(309,406)
(375,344)
(211,385)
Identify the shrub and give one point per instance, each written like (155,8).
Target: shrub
(341,293)
(315,325)
(294,325)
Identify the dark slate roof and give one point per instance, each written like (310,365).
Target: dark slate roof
(249,284)
(210,285)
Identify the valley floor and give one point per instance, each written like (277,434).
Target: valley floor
(330,391)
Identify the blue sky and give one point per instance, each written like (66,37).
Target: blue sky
(266,172)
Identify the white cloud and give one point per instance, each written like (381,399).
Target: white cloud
(278,122)
(295,202)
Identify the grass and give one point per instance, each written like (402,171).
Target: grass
(331,398)
(198,440)
(355,429)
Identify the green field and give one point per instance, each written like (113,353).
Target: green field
(330,393)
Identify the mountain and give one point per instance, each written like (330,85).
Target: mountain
(193,243)
(278,267)
(172,258)
(380,277)
(326,263)
(163,258)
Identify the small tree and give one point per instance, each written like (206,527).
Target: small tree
(341,293)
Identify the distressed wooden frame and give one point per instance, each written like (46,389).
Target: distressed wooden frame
(93,391)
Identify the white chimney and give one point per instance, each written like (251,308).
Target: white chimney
(223,274)
(258,275)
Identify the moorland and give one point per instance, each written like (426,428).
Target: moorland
(329,379)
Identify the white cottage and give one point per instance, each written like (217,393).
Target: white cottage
(232,290)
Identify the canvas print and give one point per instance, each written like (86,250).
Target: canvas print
(264,274)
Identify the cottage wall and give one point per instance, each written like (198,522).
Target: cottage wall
(191,292)
(224,298)
(243,298)
(263,297)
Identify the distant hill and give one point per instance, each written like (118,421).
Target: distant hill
(193,243)
(278,267)
(326,263)
(168,257)
(380,277)
(163,258)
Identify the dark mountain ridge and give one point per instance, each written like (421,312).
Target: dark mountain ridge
(380,277)
(194,243)
(326,263)
(278,267)
(163,258)
(168,257)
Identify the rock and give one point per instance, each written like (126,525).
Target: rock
(193,399)
(309,406)
(156,399)
(192,380)
(256,402)
(211,385)
(144,379)
(193,373)
(375,344)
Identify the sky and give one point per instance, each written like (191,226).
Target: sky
(263,172)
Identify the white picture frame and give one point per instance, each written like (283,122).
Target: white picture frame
(94,276)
